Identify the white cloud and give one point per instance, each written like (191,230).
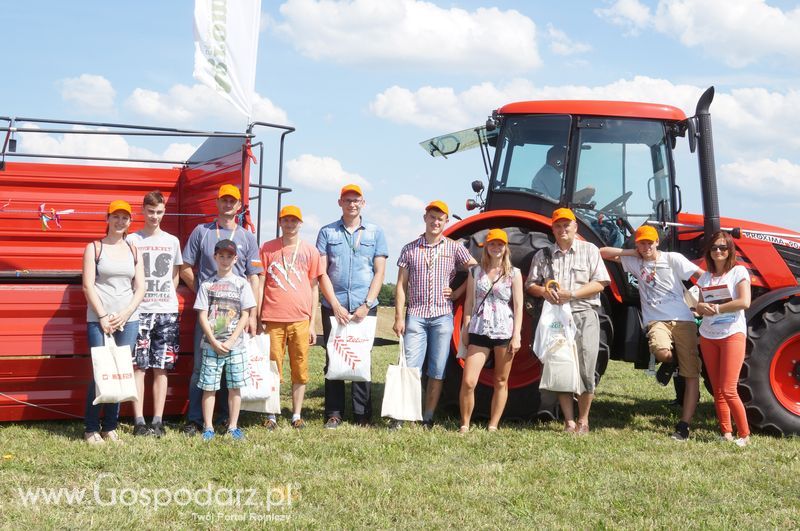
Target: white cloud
(183,104)
(738,33)
(776,180)
(322,173)
(109,146)
(561,44)
(412,33)
(91,93)
(630,14)
(408,202)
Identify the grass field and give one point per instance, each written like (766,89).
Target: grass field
(626,474)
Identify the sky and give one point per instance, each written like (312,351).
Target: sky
(364,81)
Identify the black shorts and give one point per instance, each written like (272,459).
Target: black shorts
(488,342)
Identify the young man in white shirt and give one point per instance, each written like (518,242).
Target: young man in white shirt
(666,316)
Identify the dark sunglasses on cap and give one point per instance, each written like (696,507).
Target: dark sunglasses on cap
(723,248)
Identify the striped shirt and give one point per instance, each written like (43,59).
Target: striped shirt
(573,268)
(431,268)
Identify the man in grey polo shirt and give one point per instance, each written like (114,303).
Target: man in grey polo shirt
(199,255)
(577,268)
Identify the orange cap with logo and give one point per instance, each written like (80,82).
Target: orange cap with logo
(231,190)
(351,188)
(646,232)
(119,204)
(496,234)
(562,213)
(438,205)
(291,210)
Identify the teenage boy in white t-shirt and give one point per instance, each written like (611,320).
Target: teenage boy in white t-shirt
(158,342)
(666,316)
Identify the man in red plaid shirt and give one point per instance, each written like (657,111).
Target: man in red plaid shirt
(426,267)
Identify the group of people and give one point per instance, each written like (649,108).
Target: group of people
(130,283)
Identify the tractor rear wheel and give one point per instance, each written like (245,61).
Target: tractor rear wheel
(769,384)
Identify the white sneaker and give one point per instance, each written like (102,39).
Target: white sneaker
(93,438)
(111,436)
(741,442)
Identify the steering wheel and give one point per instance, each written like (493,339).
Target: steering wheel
(617,206)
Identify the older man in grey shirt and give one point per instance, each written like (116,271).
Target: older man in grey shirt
(579,275)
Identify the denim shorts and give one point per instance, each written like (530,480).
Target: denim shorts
(429,338)
(211,371)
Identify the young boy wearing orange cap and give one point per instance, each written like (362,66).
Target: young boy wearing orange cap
(666,316)
(289,304)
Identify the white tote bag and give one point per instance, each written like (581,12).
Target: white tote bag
(257,370)
(113,373)
(555,346)
(271,404)
(402,393)
(349,348)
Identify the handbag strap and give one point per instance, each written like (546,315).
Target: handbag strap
(480,306)
(402,359)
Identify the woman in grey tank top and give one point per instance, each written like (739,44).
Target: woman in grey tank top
(113,282)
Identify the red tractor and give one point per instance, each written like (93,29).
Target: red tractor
(616,171)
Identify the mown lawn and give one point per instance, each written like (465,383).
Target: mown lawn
(626,474)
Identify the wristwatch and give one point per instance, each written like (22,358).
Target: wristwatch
(369,302)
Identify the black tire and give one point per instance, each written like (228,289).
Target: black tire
(768,334)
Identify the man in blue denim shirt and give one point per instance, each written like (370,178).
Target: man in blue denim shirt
(354,261)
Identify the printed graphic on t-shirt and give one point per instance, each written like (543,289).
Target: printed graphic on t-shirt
(157,262)
(655,279)
(224,309)
(287,273)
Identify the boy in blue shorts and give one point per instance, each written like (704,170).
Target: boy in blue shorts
(224,303)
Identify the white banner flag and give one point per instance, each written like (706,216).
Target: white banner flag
(226,46)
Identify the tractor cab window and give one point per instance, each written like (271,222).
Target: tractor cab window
(625,163)
(533,155)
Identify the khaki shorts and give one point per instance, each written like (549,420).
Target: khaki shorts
(662,334)
(295,336)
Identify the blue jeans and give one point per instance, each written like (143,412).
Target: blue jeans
(195,413)
(429,337)
(110,411)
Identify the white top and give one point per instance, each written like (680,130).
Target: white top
(493,300)
(719,290)
(159,253)
(660,285)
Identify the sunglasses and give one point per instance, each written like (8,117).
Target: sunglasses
(722,248)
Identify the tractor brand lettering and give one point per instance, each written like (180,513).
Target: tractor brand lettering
(126,376)
(771,239)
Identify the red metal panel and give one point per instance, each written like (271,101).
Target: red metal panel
(50,320)
(88,190)
(623,109)
(59,384)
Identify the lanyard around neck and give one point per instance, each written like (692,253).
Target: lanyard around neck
(435,254)
(232,233)
(294,257)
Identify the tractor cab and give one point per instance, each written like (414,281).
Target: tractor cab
(616,172)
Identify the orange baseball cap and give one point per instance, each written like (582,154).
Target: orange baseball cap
(291,210)
(562,213)
(351,188)
(231,190)
(646,232)
(438,205)
(119,204)
(496,234)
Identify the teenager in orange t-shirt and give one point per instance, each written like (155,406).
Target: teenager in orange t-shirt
(290,287)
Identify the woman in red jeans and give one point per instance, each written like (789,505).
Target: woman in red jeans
(725,295)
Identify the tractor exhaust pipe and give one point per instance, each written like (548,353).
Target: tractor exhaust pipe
(705,159)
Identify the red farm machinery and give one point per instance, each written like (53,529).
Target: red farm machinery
(618,172)
(50,209)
